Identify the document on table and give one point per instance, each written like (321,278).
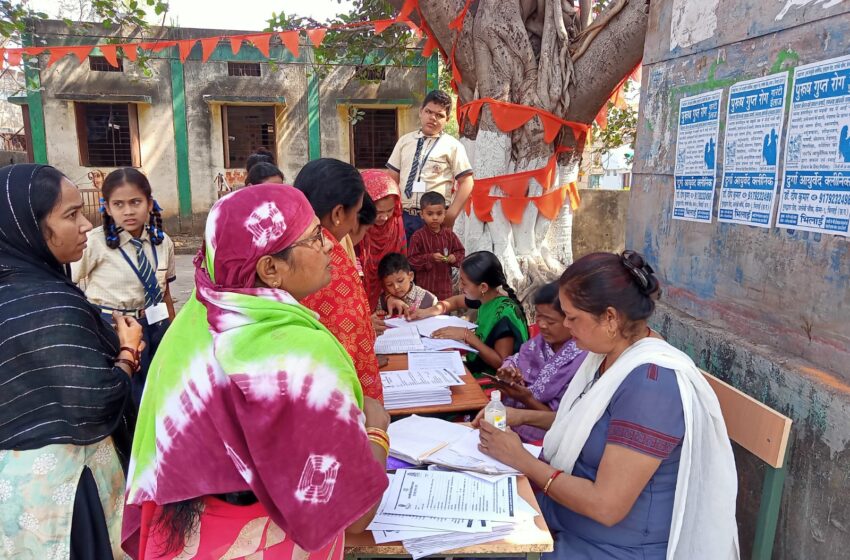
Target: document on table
(426,327)
(452,495)
(398,341)
(406,378)
(440,344)
(451,361)
(463,454)
(415,437)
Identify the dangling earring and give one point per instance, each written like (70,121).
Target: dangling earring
(611,334)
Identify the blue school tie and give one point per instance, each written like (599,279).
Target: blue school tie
(147,275)
(414,167)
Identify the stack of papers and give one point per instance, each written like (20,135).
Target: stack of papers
(426,327)
(423,387)
(399,341)
(419,440)
(424,361)
(431,512)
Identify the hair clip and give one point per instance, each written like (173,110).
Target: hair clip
(640,274)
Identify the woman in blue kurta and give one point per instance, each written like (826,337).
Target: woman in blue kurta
(636,462)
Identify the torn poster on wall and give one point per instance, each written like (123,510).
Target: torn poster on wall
(816,183)
(754,119)
(696,157)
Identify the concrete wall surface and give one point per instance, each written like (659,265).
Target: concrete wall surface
(599,222)
(764,309)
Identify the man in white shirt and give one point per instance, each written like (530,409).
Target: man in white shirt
(430,160)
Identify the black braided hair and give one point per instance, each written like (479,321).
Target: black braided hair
(110,230)
(484,267)
(131,176)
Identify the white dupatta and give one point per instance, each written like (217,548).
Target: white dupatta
(703,526)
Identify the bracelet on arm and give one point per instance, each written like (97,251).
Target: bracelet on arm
(378,433)
(133,352)
(549,482)
(133,365)
(381,443)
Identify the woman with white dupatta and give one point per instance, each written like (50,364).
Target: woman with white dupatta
(636,463)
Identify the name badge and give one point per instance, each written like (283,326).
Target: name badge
(156,313)
(419,186)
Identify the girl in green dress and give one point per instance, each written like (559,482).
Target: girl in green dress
(502,327)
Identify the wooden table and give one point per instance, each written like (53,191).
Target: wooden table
(465,398)
(529,543)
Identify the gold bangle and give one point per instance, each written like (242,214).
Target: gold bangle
(381,443)
(378,433)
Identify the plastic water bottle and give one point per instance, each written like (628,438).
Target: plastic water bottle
(495,412)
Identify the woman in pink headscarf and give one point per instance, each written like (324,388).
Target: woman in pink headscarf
(387,235)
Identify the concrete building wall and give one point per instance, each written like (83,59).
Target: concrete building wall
(599,222)
(403,90)
(206,88)
(156,131)
(206,147)
(766,310)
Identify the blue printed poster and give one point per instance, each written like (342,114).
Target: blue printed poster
(816,182)
(696,157)
(754,118)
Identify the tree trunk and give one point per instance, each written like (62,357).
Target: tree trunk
(520,51)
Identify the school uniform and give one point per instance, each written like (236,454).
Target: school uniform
(425,164)
(112,280)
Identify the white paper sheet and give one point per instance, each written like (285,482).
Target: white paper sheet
(434,544)
(440,344)
(463,454)
(426,327)
(402,379)
(452,495)
(451,361)
(414,437)
(395,535)
(398,341)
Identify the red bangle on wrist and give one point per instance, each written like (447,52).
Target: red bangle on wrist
(549,482)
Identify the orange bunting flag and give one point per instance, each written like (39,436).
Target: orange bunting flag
(262,42)
(514,208)
(82,52)
(551,128)
(510,118)
(131,52)
(575,198)
(406,10)
(316,36)
(637,73)
(550,204)
(457,23)
(382,24)
(208,45)
(430,45)
(157,46)
(185,47)
(2,58)
(602,116)
(290,41)
(236,44)
(33,51)
(110,53)
(483,206)
(14,57)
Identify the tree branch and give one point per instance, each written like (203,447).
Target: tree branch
(615,51)
(585,13)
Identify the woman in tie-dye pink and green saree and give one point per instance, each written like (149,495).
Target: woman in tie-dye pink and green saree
(251,439)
